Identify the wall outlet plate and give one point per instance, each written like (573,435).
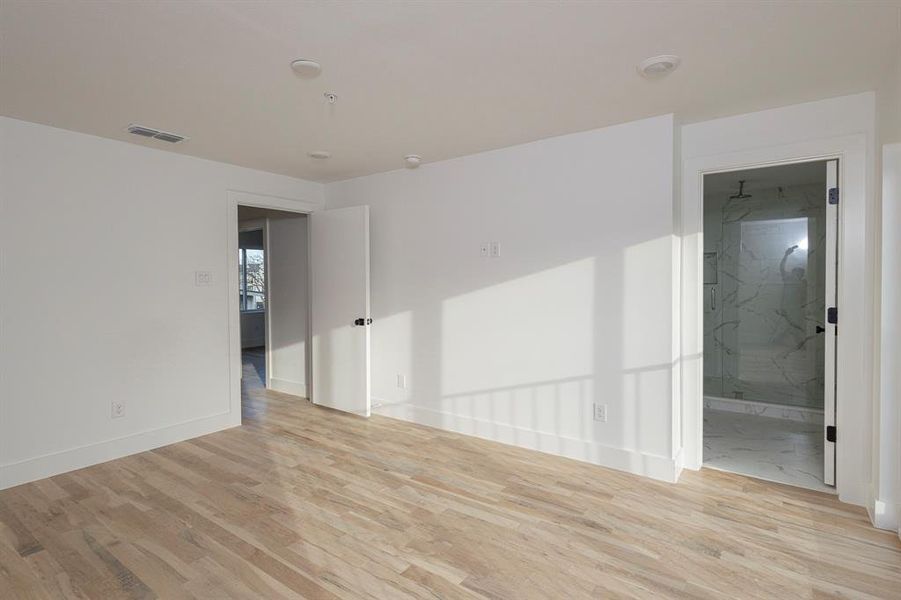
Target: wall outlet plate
(117,409)
(600,412)
(495,249)
(402,381)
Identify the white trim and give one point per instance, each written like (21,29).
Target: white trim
(662,468)
(853,372)
(830,374)
(883,514)
(286,386)
(234,199)
(48,465)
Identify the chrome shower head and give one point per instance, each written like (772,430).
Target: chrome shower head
(741,195)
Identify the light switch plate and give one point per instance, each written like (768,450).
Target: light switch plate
(117,409)
(485,249)
(600,412)
(203,278)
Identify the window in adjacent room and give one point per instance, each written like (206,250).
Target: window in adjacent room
(251,279)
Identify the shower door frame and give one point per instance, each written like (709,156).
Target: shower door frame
(853,374)
(828,279)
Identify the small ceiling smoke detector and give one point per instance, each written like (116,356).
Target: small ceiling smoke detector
(658,66)
(320,154)
(306,68)
(412,160)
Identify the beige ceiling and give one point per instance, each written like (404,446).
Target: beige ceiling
(440,79)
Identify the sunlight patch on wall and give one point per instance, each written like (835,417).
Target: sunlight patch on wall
(647,330)
(534,329)
(392,345)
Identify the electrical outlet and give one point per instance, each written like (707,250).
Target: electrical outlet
(600,412)
(117,409)
(485,249)
(402,381)
(203,278)
(495,249)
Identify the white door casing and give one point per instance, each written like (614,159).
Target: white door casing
(831,199)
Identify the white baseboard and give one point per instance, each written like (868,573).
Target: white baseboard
(48,465)
(286,386)
(883,514)
(656,467)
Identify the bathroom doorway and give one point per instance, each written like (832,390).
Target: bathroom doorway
(770,238)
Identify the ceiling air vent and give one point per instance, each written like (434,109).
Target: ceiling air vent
(172,138)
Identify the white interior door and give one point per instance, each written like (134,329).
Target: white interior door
(831,320)
(339,294)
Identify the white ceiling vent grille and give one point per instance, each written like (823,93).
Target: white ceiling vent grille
(156,134)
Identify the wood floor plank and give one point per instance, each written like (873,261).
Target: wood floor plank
(304,502)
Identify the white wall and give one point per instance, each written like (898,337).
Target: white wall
(119,319)
(886,504)
(288,306)
(844,127)
(253,329)
(887,487)
(578,309)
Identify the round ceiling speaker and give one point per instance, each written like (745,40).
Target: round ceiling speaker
(306,68)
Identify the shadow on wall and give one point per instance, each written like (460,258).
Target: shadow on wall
(528,360)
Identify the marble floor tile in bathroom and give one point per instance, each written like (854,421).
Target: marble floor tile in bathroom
(773,449)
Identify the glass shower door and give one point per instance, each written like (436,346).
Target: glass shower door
(775,352)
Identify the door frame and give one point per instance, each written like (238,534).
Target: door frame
(829,415)
(854,374)
(234,199)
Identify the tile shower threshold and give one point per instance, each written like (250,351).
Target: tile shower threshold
(765,409)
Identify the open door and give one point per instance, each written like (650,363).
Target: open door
(831,321)
(339,299)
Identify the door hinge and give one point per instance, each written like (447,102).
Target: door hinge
(832,315)
(833,195)
(361,322)
(830,433)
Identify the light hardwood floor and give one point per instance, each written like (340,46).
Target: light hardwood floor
(305,502)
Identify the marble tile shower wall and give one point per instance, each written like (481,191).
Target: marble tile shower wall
(764,296)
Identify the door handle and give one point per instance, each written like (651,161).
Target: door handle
(820,329)
(713,298)
(362,322)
